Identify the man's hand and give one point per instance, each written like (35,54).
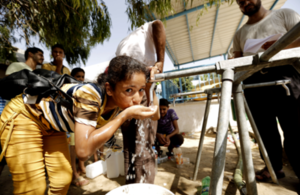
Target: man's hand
(59,61)
(167,139)
(161,139)
(156,69)
(267,44)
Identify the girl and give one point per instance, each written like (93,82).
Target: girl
(36,132)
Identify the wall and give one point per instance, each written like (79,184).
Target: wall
(191,115)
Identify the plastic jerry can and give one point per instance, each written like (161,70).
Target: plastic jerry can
(112,164)
(95,169)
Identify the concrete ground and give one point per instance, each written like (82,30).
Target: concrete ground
(179,180)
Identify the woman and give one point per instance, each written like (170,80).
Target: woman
(36,133)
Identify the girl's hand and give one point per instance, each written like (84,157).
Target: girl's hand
(140,112)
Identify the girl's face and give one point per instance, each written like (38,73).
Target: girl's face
(130,92)
(79,76)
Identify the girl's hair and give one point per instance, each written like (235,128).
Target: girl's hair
(119,69)
(76,70)
(164,102)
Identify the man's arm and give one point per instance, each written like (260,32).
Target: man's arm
(237,54)
(159,39)
(176,129)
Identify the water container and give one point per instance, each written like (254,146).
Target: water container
(112,164)
(95,169)
(121,162)
(140,188)
(178,157)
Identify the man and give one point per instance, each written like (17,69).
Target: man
(142,44)
(167,129)
(58,54)
(33,56)
(267,103)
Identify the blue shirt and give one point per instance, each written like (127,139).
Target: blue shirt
(2,104)
(165,124)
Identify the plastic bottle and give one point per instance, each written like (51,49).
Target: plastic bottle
(186,160)
(163,159)
(178,156)
(156,155)
(205,185)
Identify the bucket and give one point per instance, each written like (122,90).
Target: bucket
(140,188)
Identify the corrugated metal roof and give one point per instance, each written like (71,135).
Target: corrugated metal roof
(188,42)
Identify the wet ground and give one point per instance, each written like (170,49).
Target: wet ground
(179,180)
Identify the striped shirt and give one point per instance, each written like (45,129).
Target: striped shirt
(88,106)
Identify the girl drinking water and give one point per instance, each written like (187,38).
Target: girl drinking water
(33,135)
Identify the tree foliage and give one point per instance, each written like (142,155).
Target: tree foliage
(186,83)
(77,24)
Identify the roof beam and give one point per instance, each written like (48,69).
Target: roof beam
(274,4)
(272,7)
(187,11)
(213,35)
(188,28)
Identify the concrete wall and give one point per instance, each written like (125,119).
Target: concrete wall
(191,115)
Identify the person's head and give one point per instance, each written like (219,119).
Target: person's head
(78,74)
(124,81)
(249,7)
(58,51)
(35,54)
(163,107)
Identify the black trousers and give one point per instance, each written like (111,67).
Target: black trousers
(267,103)
(175,140)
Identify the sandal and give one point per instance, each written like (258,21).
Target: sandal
(264,175)
(80,181)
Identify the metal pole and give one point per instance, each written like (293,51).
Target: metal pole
(185,73)
(221,139)
(244,140)
(266,84)
(200,147)
(282,43)
(260,143)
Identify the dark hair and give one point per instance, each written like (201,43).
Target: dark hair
(76,70)
(164,102)
(32,50)
(57,46)
(119,69)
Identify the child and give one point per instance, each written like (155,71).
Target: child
(78,74)
(33,136)
(167,130)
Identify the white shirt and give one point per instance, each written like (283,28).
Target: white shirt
(139,45)
(16,67)
(277,22)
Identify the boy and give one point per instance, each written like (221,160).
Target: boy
(58,54)
(167,130)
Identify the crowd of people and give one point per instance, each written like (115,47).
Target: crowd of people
(34,136)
